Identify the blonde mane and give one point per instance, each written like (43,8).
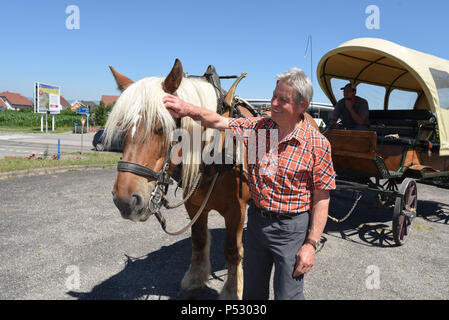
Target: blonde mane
(142,101)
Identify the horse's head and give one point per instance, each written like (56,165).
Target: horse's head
(147,126)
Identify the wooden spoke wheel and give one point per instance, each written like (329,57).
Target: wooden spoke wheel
(405,210)
(387,200)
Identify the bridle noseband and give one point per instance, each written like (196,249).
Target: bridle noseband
(145,172)
(162,178)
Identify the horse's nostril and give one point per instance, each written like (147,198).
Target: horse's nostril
(136,200)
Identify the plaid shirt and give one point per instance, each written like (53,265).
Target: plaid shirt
(282,176)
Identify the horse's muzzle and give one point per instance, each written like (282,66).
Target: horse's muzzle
(132,207)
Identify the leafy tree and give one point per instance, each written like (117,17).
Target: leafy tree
(101,113)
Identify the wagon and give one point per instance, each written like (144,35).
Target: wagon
(408,137)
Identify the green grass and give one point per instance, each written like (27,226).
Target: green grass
(9,164)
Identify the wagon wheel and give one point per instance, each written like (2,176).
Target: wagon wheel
(405,210)
(386,200)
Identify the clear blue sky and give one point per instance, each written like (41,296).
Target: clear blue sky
(142,38)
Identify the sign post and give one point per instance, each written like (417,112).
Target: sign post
(83,120)
(46,121)
(85,111)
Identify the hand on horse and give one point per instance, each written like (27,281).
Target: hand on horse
(177,107)
(305,258)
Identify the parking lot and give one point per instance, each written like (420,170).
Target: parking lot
(63,238)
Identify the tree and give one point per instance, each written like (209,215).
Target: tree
(101,114)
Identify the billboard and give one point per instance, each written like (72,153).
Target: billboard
(46,98)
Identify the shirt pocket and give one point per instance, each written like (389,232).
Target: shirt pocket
(294,176)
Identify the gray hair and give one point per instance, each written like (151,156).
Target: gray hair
(297,79)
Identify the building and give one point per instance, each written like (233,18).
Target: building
(65,105)
(108,100)
(2,105)
(14,101)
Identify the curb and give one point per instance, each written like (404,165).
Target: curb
(42,171)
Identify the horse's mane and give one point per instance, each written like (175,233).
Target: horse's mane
(142,101)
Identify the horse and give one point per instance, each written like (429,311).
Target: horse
(147,126)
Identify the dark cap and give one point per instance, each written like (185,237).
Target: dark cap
(349,85)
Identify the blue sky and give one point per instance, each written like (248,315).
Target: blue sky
(142,38)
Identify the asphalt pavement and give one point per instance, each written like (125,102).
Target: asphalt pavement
(21,144)
(62,238)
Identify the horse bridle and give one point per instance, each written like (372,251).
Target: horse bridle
(162,178)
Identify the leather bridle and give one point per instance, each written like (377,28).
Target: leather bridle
(162,178)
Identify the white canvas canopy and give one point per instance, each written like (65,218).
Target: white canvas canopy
(384,63)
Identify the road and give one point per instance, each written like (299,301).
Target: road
(25,144)
(61,237)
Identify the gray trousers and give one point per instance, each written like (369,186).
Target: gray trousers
(271,241)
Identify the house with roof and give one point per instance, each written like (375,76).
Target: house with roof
(65,105)
(3,105)
(108,100)
(14,101)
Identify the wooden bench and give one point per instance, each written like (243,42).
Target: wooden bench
(402,127)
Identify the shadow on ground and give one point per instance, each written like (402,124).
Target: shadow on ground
(370,225)
(158,274)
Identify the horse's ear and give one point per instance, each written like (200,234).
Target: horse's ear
(174,78)
(122,81)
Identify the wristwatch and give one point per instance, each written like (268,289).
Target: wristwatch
(312,242)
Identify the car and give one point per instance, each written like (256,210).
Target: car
(98,143)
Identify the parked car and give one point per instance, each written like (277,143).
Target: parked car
(116,145)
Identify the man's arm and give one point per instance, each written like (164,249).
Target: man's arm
(360,119)
(335,115)
(305,258)
(208,118)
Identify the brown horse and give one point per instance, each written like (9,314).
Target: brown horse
(147,126)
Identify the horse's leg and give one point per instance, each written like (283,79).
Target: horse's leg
(198,273)
(234,220)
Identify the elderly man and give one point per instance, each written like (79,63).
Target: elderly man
(290,200)
(352,110)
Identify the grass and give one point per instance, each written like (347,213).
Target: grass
(9,164)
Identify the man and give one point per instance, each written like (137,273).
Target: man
(352,110)
(290,200)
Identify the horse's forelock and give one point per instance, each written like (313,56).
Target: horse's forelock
(142,101)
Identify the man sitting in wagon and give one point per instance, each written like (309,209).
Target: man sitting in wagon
(352,110)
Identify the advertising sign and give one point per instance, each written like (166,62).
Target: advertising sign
(47,98)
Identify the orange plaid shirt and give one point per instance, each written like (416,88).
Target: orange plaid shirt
(283,175)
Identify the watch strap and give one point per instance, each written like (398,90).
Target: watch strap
(312,242)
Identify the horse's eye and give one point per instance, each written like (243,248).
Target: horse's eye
(158,131)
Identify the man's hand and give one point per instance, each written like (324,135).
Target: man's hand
(349,105)
(208,118)
(305,259)
(176,106)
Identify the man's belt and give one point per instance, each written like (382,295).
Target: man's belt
(274,215)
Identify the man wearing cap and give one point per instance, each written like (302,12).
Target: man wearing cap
(352,110)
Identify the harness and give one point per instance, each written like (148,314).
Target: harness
(163,178)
